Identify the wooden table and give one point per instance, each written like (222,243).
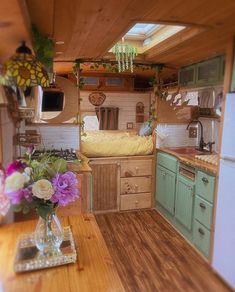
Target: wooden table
(94,270)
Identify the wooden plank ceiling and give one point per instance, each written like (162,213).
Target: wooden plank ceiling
(90,28)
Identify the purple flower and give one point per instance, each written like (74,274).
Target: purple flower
(66,188)
(17,196)
(16,165)
(30,150)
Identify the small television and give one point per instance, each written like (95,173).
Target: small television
(52,100)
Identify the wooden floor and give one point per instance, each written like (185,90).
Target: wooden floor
(151,256)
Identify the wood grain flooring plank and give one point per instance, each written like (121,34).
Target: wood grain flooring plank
(150,255)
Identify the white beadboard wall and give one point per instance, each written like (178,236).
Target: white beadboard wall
(126,101)
(173,135)
(211,132)
(8,132)
(169,135)
(56,136)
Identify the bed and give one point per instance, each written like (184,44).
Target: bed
(115,144)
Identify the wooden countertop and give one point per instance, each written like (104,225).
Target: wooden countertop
(81,167)
(190,159)
(93,271)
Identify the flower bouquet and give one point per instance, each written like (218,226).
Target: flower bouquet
(42,184)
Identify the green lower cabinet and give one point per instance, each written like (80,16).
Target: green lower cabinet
(184,202)
(201,238)
(165,188)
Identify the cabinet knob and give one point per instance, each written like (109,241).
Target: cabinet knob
(136,169)
(201,231)
(136,202)
(136,186)
(203,206)
(205,180)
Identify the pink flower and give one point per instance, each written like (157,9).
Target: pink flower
(17,196)
(16,165)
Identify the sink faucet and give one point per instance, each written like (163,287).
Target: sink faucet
(201,143)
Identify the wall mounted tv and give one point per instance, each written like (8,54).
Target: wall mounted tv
(52,100)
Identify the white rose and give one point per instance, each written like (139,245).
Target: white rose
(28,170)
(43,189)
(15,182)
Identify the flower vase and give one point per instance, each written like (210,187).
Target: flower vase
(49,235)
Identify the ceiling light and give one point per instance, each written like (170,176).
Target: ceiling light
(23,69)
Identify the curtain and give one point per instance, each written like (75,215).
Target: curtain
(107,117)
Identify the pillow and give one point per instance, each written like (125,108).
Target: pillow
(146,129)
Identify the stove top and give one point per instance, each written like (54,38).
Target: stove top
(66,154)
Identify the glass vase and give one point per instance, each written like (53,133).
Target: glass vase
(49,235)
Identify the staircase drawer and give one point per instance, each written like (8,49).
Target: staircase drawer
(133,185)
(205,185)
(201,238)
(136,167)
(167,161)
(135,201)
(203,212)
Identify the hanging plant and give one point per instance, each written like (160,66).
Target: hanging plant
(43,47)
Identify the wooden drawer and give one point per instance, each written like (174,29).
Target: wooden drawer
(167,161)
(133,185)
(201,238)
(135,201)
(136,168)
(205,185)
(203,212)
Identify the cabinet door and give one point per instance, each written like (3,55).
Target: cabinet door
(184,202)
(208,72)
(105,186)
(187,76)
(165,188)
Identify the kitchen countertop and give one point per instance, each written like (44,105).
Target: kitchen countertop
(80,167)
(94,269)
(190,159)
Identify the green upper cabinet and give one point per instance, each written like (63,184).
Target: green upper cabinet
(187,76)
(205,73)
(208,72)
(165,188)
(184,202)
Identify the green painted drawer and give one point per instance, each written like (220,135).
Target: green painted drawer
(201,238)
(167,161)
(205,185)
(203,211)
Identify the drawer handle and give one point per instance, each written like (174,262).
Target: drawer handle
(203,206)
(164,174)
(205,180)
(201,231)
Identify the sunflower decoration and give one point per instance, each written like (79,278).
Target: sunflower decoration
(23,69)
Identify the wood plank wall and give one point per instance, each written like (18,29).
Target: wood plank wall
(126,101)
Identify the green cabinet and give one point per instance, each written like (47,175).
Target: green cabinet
(184,202)
(205,73)
(165,188)
(208,72)
(187,76)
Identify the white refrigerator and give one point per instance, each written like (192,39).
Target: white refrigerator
(223,260)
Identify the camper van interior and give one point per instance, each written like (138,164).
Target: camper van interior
(117,148)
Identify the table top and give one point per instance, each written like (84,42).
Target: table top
(93,271)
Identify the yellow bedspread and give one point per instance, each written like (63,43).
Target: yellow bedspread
(111,143)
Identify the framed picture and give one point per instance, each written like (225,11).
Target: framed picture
(129,126)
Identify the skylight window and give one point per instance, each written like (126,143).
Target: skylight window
(142,30)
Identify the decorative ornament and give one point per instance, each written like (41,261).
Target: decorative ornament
(97,98)
(125,54)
